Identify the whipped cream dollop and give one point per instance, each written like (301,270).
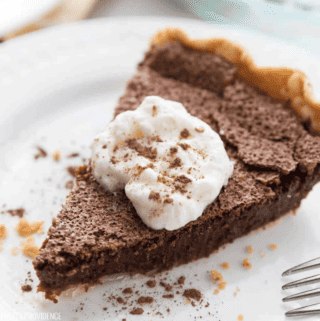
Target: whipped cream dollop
(170,164)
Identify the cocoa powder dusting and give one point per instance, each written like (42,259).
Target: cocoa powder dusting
(183,179)
(147,152)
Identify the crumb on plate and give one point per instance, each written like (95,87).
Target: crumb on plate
(249,249)
(56,156)
(29,248)
(246,264)
(15,250)
(24,228)
(273,247)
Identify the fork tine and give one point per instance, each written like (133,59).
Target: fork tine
(303,267)
(302,295)
(305,281)
(301,311)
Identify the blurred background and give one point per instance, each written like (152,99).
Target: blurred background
(296,21)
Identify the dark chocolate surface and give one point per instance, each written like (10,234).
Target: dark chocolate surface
(98,233)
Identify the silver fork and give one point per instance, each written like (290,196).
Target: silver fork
(307,310)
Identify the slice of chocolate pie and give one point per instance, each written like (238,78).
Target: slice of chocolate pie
(276,163)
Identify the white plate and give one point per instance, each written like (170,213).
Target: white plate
(58,90)
(17,13)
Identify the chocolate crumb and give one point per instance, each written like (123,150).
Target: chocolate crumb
(145,300)
(72,155)
(168,296)
(184,133)
(181,280)
(216,276)
(105,309)
(72,170)
(69,184)
(26,288)
(151,283)
(41,153)
(127,291)
(192,294)
(104,146)
(166,286)
(17,212)
(136,311)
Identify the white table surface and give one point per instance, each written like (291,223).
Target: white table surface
(109,8)
(175,8)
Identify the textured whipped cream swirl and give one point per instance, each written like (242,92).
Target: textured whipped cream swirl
(170,164)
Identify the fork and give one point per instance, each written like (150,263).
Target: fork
(309,309)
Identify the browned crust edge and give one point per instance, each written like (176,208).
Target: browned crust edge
(281,83)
